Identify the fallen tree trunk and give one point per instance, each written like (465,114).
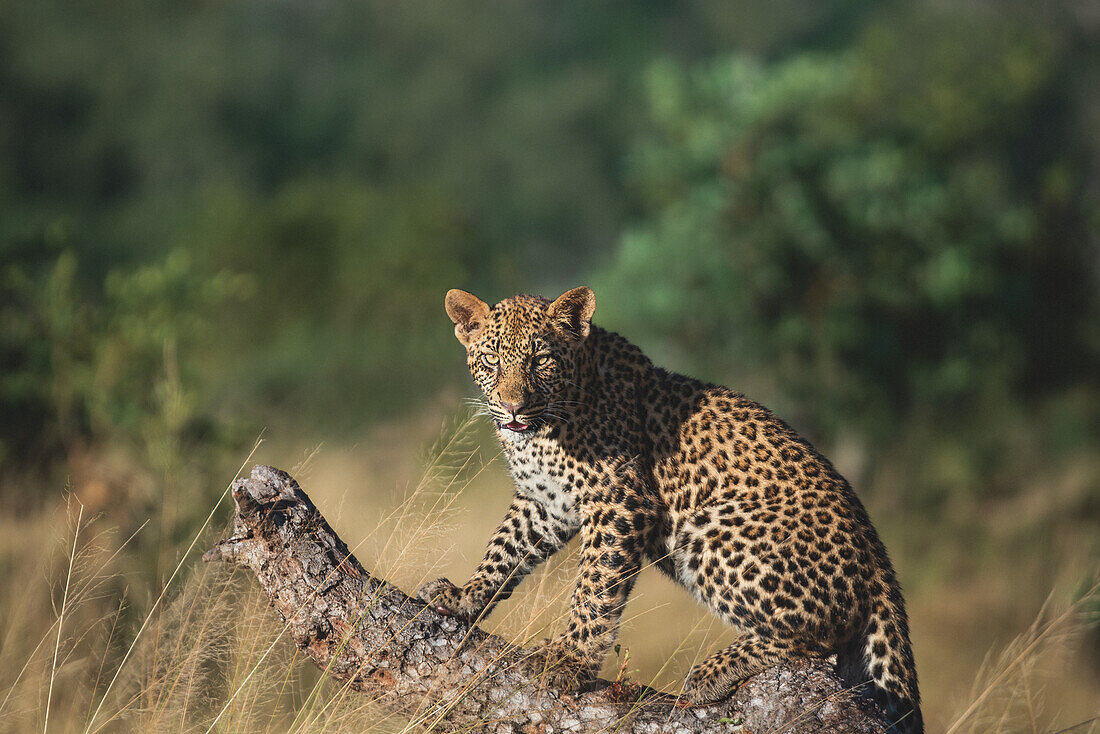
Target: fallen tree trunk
(445,675)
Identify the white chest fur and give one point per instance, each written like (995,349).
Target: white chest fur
(538,470)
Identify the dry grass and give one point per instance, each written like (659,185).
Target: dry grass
(1009,693)
(81,654)
(86,645)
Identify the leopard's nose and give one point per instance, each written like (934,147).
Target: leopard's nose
(513,408)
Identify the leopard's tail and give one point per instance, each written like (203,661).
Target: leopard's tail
(882,658)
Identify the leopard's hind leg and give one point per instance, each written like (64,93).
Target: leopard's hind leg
(721,672)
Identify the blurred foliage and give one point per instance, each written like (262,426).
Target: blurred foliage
(880,218)
(356,158)
(897,229)
(347,324)
(120,369)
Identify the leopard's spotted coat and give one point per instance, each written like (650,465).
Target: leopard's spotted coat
(720,494)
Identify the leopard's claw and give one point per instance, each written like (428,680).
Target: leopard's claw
(560,665)
(702,686)
(441,595)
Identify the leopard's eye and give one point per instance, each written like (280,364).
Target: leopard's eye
(542,360)
(490,360)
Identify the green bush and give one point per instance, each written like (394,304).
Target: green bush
(119,363)
(874,230)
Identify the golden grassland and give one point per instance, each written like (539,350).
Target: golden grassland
(999,626)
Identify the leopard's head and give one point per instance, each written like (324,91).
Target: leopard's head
(523,353)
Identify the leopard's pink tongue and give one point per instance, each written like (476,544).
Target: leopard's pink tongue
(516,426)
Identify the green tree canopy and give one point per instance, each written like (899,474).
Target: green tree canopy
(882,232)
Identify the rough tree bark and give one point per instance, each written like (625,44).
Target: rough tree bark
(448,676)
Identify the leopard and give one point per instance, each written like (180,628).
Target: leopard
(653,468)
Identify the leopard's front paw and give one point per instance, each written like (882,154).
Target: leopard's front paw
(561,665)
(449,600)
(704,684)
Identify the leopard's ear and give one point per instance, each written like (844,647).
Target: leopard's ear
(468,313)
(571,313)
